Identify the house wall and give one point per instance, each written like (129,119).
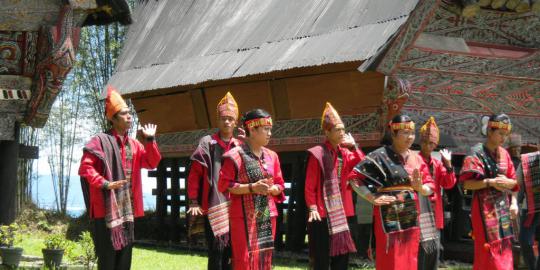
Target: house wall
(351,92)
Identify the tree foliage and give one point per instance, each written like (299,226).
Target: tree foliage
(79,109)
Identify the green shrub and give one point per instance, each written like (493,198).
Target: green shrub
(56,241)
(10,235)
(85,247)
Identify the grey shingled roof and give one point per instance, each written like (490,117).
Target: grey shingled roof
(180,42)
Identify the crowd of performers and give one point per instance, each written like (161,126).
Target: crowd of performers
(234,184)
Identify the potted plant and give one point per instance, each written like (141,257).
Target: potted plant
(9,237)
(55,245)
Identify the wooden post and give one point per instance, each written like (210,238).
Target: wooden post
(161,199)
(296,220)
(183,222)
(175,200)
(8,179)
(279,227)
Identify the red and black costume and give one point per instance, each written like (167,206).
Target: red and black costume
(203,189)
(443,177)
(252,216)
(490,212)
(328,193)
(109,157)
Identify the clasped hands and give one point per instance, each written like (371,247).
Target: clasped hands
(501,182)
(416,184)
(265,187)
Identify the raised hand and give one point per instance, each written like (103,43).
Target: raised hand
(348,140)
(241,134)
(446,157)
(149,130)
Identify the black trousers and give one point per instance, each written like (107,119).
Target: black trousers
(428,261)
(363,238)
(108,258)
(217,259)
(319,247)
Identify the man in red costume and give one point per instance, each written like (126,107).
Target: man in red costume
(328,195)
(204,196)
(443,177)
(110,173)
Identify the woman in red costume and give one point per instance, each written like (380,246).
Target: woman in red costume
(489,172)
(397,182)
(251,174)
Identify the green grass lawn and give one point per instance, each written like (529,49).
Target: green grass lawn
(157,258)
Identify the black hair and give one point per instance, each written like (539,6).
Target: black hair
(501,117)
(253,114)
(400,118)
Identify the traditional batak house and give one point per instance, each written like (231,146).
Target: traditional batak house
(371,59)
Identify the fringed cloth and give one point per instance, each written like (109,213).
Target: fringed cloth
(399,216)
(341,241)
(208,154)
(429,234)
(118,206)
(530,173)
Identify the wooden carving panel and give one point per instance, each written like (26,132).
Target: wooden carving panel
(523,68)
(287,135)
(417,22)
(56,54)
(455,92)
(495,27)
(11,52)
